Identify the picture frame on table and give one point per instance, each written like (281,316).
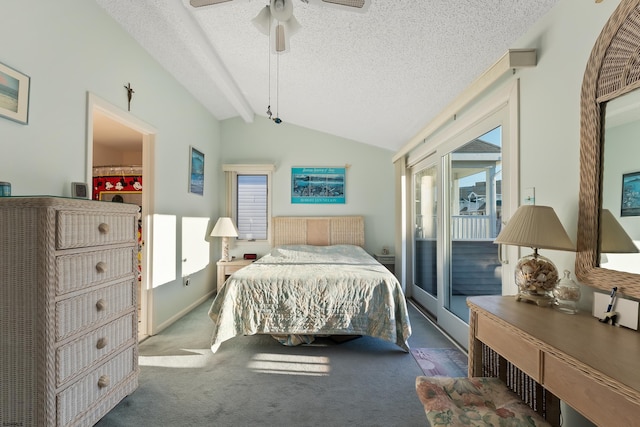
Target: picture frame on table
(14,94)
(196,171)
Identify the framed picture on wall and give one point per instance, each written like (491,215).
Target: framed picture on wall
(630,205)
(196,171)
(317,185)
(14,94)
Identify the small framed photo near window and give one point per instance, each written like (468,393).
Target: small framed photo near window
(79,190)
(196,171)
(14,95)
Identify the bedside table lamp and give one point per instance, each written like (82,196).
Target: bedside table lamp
(537,227)
(224,228)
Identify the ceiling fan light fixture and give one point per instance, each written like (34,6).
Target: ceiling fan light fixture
(262,20)
(279,5)
(281,10)
(292,26)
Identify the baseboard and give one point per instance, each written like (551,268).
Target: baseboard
(164,325)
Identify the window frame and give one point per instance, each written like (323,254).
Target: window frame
(231,177)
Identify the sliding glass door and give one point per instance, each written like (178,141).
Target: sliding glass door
(425,277)
(457,196)
(474,180)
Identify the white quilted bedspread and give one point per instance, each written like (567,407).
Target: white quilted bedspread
(312,290)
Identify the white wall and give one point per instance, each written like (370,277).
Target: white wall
(550,111)
(369,178)
(69,48)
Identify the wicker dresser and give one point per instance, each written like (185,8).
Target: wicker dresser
(68,336)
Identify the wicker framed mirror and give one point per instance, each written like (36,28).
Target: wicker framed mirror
(613,69)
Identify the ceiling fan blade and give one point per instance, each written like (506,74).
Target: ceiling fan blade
(348,3)
(200,3)
(360,6)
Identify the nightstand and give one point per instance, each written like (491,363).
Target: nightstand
(226,268)
(388,260)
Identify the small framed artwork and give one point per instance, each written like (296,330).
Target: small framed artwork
(196,171)
(317,185)
(630,205)
(14,95)
(79,190)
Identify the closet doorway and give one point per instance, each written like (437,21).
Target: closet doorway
(119,153)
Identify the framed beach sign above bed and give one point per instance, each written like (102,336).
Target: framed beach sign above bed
(317,185)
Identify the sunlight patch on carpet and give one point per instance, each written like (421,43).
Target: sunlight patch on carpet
(192,358)
(444,362)
(290,364)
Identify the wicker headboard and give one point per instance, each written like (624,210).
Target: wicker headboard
(318,231)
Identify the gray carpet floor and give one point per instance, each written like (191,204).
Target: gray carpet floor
(254,380)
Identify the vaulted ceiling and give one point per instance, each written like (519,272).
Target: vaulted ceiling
(376,77)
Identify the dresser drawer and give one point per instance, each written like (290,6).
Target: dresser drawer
(78,271)
(80,354)
(599,403)
(95,385)
(82,311)
(77,229)
(512,347)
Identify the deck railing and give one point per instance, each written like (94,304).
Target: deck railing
(470,227)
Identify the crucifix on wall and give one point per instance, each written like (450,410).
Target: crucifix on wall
(130,93)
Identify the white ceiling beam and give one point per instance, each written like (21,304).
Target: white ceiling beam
(208,58)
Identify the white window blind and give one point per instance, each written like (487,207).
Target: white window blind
(252,207)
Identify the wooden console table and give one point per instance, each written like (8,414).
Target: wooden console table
(591,366)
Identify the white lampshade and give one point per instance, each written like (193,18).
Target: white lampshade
(613,238)
(224,228)
(535,227)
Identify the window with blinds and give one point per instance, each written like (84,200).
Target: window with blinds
(252,207)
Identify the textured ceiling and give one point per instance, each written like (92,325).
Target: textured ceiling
(376,77)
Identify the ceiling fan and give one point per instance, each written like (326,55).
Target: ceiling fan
(281,11)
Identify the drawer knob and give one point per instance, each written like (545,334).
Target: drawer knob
(103,381)
(101,267)
(102,343)
(104,228)
(101,304)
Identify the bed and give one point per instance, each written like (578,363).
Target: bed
(316,281)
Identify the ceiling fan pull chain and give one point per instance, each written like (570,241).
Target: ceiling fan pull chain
(269,73)
(277,119)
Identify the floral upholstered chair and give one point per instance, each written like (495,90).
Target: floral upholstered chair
(473,402)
